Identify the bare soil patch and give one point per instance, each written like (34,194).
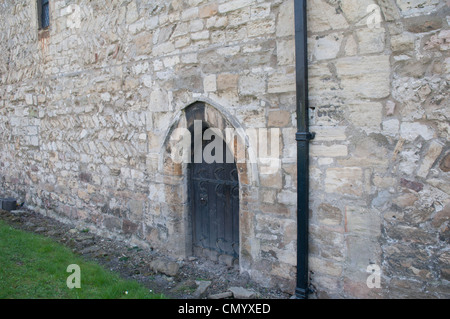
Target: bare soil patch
(195,278)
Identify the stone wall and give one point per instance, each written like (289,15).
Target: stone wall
(380,196)
(88,108)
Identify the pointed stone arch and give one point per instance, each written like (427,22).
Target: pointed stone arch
(173,177)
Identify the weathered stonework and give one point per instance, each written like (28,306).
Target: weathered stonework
(88,109)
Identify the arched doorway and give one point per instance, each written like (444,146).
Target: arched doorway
(214,198)
(239,192)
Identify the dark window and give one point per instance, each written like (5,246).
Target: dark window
(44,15)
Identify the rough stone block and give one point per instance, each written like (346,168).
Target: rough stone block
(366,77)
(227,81)
(325,267)
(285,26)
(371,40)
(432,154)
(347,181)
(328,151)
(327,47)
(366,116)
(286,52)
(329,215)
(322,16)
(411,130)
(281,83)
(252,84)
(233,5)
(402,42)
(279,119)
(362,222)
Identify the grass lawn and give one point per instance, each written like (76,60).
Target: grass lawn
(33,266)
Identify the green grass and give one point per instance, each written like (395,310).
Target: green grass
(33,266)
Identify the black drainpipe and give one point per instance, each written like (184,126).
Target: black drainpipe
(303,137)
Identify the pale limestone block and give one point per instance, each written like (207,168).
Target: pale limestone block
(287,261)
(433,153)
(281,83)
(325,267)
(366,116)
(151,22)
(239,17)
(189,58)
(362,221)
(327,47)
(287,197)
(362,251)
(252,84)
(351,46)
(162,120)
(329,133)
(410,8)
(447,67)
(216,22)
(329,215)
(227,81)
(286,52)
(147,80)
(365,77)
(268,195)
(410,131)
(324,161)
(324,17)
(391,127)
(390,108)
(136,27)
(279,118)
(233,5)
(159,100)
(180,30)
(209,83)
(371,40)
(259,28)
(389,9)
(202,35)
(274,180)
(252,117)
(163,49)
(132,13)
(208,10)
(409,159)
(196,25)
(289,143)
(29,99)
(229,51)
(106,97)
(286,25)
(260,11)
(403,42)
(235,34)
(189,14)
(140,68)
(440,184)
(356,11)
(328,151)
(171,61)
(347,180)
(182,42)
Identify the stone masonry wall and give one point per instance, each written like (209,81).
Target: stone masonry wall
(379,73)
(87,108)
